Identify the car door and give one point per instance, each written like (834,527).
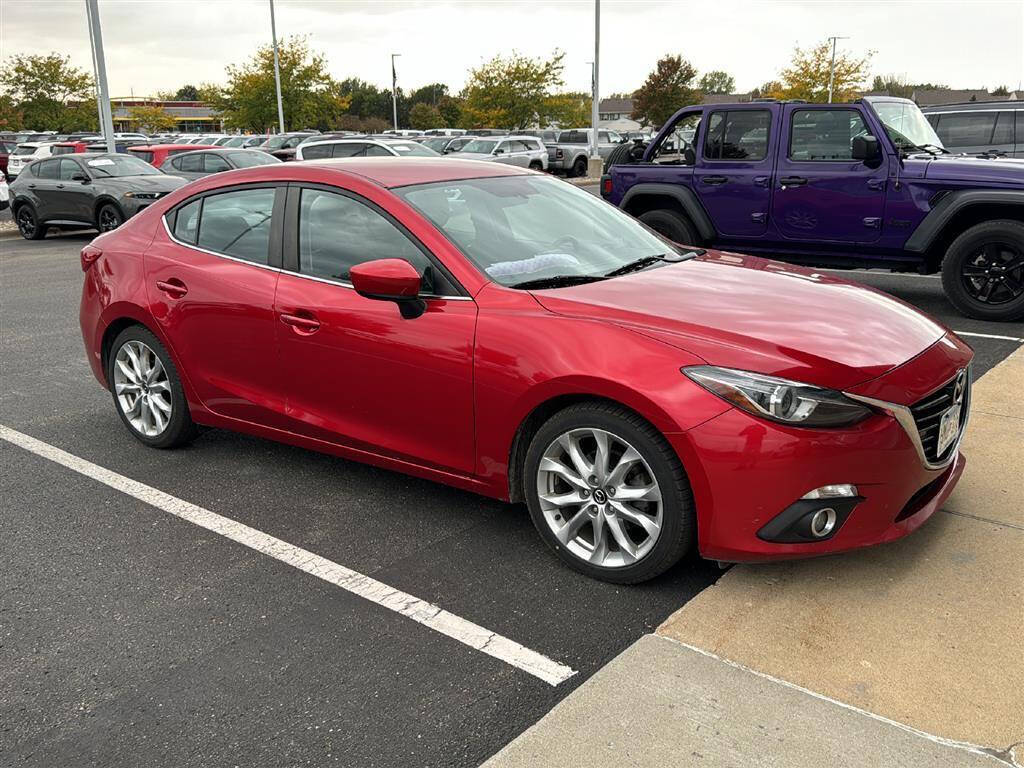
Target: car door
(733,173)
(211,273)
(43,186)
(359,373)
(75,196)
(821,192)
(503,153)
(189,166)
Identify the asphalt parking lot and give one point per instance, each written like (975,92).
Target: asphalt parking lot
(132,637)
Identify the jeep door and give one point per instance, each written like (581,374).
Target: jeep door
(821,193)
(734,172)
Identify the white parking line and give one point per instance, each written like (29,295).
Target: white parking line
(988,336)
(411,607)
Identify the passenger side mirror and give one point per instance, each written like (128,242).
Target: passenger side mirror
(80,177)
(866,149)
(499,151)
(390,280)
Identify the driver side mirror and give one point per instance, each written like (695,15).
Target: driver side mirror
(390,280)
(866,149)
(79,176)
(499,151)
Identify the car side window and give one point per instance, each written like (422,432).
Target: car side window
(317,151)
(353,149)
(215,163)
(48,169)
(374,150)
(186,223)
(677,147)
(190,163)
(1003,133)
(68,168)
(737,135)
(824,134)
(238,224)
(337,232)
(966,129)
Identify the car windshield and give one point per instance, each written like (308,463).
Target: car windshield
(480,146)
(412,149)
(436,144)
(906,125)
(277,142)
(520,229)
(251,158)
(114,166)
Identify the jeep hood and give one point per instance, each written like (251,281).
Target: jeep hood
(968,169)
(750,313)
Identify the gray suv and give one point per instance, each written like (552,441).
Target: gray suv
(980,127)
(85,190)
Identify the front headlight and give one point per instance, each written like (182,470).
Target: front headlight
(787,402)
(143,195)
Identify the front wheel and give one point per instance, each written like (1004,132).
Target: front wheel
(608,494)
(983,271)
(109,218)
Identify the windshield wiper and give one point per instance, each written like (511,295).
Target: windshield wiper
(646,261)
(558,281)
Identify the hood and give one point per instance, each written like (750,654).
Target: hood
(961,168)
(758,315)
(160,182)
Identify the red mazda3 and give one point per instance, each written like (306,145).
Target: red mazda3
(504,332)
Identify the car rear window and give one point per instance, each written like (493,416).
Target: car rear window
(67,150)
(25,150)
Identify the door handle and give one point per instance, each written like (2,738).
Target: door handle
(793,181)
(759,218)
(762,181)
(876,183)
(173,287)
(714,180)
(304,325)
(60,186)
(31,186)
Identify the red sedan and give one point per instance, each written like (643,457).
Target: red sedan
(504,332)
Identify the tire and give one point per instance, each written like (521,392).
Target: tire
(658,468)
(178,428)
(618,156)
(580,166)
(983,271)
(109,218)
(536,165)
(28,223)
(672,224)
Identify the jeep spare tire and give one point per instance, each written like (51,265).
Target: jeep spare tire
(627,152)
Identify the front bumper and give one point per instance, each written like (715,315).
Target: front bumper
(745,471)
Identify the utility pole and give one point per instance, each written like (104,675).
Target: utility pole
(595,98)
(277,71)
(100,67)
(832,67)
(394,90)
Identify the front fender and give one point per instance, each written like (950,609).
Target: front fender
(953,203)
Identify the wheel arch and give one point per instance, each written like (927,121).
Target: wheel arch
(642,198)
(106,199)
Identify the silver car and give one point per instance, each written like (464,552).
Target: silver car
(524,151)
(203,162)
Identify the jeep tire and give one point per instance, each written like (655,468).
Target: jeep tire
(672,224)
(983,271)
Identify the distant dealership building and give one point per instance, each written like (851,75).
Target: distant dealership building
(192,116)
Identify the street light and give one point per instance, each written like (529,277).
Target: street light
(394,90)
(832,67)
(594,95)
(277,70)
(100,68)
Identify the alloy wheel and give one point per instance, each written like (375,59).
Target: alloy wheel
(26,222)
(599,497)
(142,388)
(109,220)
(994,274)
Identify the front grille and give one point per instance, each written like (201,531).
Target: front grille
(928,412)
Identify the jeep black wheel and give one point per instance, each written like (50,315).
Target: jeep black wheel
(983,272)
(28,224)
(672,224)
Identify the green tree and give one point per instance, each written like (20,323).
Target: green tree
(807,75)
(429,94)
(569,110)
(717,81)
(49,92)
(668,88)
(187,93)
(511,91)
(450,108)
(309,94)
(151,119)
(424,116)
(1001,90)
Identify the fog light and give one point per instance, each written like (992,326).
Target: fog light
(823,522)
(839,491)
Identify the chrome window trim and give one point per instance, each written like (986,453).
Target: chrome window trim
(195,247)
(905,417)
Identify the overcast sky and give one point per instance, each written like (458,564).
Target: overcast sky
(162,44)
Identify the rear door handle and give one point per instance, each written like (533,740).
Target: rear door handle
(762,181)
(792,181)
(303,324)
(173,287)
(714,180)
(60,186)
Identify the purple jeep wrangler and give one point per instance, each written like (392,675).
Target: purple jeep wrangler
(867,184)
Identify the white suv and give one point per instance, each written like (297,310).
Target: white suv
(524,151)
(25,153)
(365,146)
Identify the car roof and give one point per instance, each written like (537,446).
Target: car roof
(974,106)
(147,147)
(391,172)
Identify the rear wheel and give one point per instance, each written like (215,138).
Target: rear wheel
(580,166)
(109,218)
(672,224)
(983,271)
(608,494)
(28,223)
(536,165)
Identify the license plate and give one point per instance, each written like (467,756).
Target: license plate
(949,428)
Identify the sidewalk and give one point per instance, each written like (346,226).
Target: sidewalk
(905,654)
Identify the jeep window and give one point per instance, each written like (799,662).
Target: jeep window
(737,135)
(677,146)
(824,134)
(906,125)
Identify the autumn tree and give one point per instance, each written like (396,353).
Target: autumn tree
(667,89)
(309,94)
(424,116)
(49,93)
(717,81)
(807,76)
(151,119)
(511,91)
(569,109)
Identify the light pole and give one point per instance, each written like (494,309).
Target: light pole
(394,90)
(277,71)
(595,91)
(832,67)
(100,66)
